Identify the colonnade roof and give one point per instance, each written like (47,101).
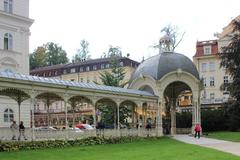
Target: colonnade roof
(43,80)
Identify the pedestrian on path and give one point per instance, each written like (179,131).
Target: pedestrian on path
(197,130)
(14,128)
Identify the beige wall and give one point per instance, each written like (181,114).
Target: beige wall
(218,74)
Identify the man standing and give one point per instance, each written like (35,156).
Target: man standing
(21,131)
(14,128)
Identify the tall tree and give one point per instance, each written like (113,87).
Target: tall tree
(171,39)
(38,58)
(48,54)
(114,78)
(55,54)
(82,52)
(230,57)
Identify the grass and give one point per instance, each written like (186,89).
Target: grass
(161,149)
(225,135)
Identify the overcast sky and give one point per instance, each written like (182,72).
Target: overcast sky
(133,25)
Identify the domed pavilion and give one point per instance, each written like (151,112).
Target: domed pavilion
(168,75)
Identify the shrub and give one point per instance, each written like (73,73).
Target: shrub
(17,146)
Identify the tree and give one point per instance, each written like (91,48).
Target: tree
(171,39)
(230,59)
(113,51)
(116,76)
(46,55)
(82,52)
(38,58)
(55,54)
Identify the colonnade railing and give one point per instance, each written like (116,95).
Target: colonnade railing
(6,134)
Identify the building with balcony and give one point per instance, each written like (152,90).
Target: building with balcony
(213,76)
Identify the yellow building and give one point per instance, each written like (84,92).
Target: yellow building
(87,71)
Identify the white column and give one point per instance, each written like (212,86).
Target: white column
(159,118)
(32,115)
(65,98)
(173,116)
(194,115)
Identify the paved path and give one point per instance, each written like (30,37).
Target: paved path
(225,146)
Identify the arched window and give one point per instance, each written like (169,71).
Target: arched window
(8,7)
(8,41)
(8,115)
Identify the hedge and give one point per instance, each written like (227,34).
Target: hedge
(34,145)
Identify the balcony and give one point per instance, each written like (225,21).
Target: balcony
(214,101)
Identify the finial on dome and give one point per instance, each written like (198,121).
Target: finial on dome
(165,44)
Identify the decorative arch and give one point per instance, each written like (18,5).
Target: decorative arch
(10,62)
(147,81)
(75,102)
(18,95)
(185,81)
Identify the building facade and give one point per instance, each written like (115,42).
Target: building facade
(207,61)
(14,35)
(87,71)
(14,53)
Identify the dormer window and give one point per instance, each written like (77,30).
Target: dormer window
(8,41)
(207,50)
(8,7)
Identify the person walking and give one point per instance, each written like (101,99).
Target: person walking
(148,127)
(197,130)
(21,131)
(14,128)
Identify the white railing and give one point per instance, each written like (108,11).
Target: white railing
(6,134)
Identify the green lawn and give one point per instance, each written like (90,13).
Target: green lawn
(161,149)
(225,135)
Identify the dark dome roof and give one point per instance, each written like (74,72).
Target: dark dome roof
(161,64)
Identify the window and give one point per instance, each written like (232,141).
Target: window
(102,66)
(95,67)
(204,81)
(87,68)
(207,50)
(8,115)
(8,41)
(72,79)
(64,71)
(211,81)
(204,67)
(225,79)
(73,70)
(81,69)
(212,66)
(8,7)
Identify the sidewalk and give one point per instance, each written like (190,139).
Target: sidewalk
(225,146)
